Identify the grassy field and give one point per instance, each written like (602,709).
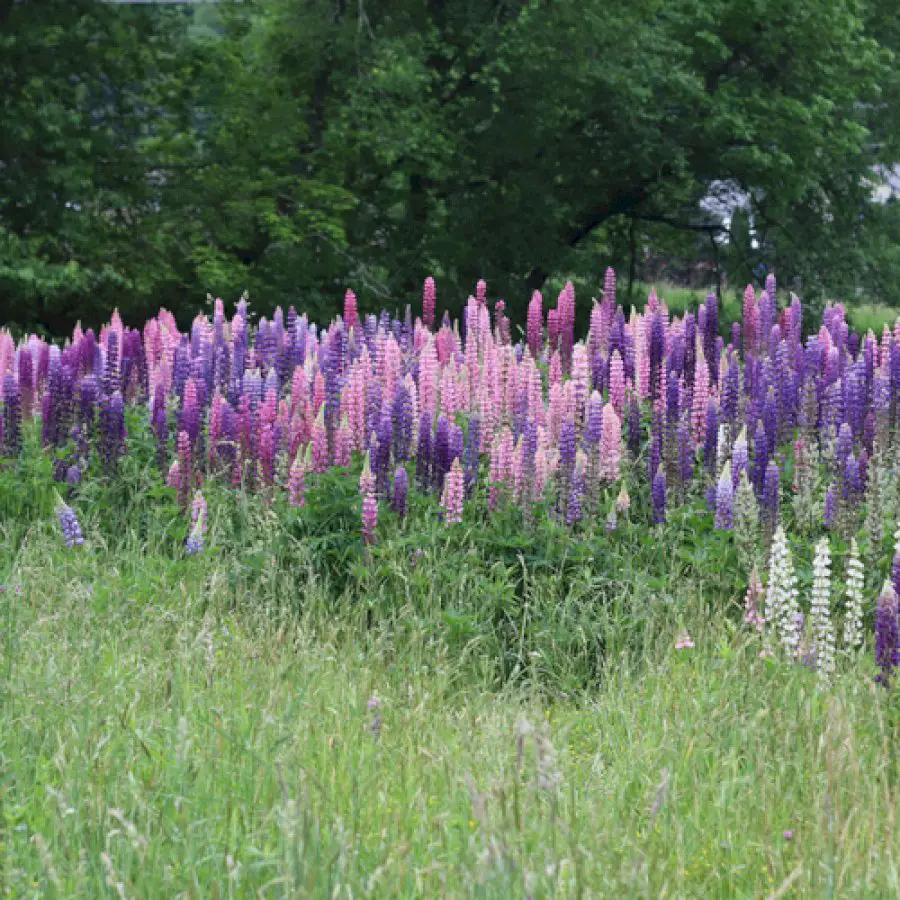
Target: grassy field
(162,735)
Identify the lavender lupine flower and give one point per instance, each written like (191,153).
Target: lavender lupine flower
(658,495)
(68,522)
(400,492)
(402,414)
(725,500)
(887,635)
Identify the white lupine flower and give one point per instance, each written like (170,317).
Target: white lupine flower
(821,610)
(782,607)
(855,578)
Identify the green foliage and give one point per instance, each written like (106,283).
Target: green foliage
(153,154)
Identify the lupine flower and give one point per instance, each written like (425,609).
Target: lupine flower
(781,594)
(623,501)
(684,642)
(895,567)
(887,635)
(452,496)
(69,524)
(369,503)
(610,444)
(755,593)
(297,478)
(429,294)
(400,492)
(195,540)
(725,500)
(658,493)
(855,583)
(820,609)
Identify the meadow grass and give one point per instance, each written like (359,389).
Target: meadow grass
(162,735)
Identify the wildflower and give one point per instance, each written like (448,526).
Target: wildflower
(68,522)
(788,835)
(195,542)
(781,594)
(610,444)
(725,500)
(400,492)
(855,581)
(369,503)
(887,635)
(658,492)
(820,608)
(684,642)
(755,593)
(452,497)
(429,294)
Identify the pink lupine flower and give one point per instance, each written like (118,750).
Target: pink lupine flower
(351,313)
(318,397)
(684,642)
(535,327)
(452,497)
(755,593)
(320,444)
(173,478)
(343,444)
(610,444)
(481,291)
(701,397)
(556,369)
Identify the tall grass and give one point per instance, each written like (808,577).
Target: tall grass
(163,734)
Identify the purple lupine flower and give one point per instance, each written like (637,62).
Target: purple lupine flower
(656,352)
(829,506)
(887,635)
(760,458)
(159,422)
(12,416)
(73,476)
(402,414)
(634,429)
(400,492)
(567,445)
(424,452)
(68,522)
(731,392)
(441,460)
(112,431)
(26,382)
(771,495)
(710,334)
(658,494)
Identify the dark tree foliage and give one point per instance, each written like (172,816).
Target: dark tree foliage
(152,155)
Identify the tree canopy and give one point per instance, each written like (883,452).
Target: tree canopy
(154,154)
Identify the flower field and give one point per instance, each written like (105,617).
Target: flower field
(419,607)
(768,437)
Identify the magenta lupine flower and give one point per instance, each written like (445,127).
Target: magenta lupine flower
(452,497)
(429,295)
(351,313)
(887,635)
